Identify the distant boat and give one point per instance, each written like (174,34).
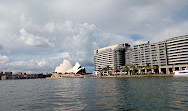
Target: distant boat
(181,73)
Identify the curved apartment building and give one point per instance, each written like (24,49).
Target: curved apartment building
(177,50)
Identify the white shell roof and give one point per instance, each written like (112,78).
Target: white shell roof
(63,67)
(66,67)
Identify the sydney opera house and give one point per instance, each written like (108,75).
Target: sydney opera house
(66,69)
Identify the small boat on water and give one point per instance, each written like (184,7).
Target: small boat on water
(181,73)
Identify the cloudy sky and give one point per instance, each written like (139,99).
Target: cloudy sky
(36,35)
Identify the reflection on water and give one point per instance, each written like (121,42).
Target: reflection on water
(158,93)
(68,95)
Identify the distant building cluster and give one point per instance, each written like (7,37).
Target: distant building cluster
(168,55)
(21,75)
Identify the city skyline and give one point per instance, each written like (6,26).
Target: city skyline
(37,35)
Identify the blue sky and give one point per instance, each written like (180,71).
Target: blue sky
(35,36)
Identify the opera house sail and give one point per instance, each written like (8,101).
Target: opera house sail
(63,67)
(67,68)
(76,69)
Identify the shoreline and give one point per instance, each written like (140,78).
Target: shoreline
(115,76)
(133,76)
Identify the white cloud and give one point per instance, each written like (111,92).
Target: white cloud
(31,40)
(172,31)
(50,27)
(78,39)
(3,59)
(31,66)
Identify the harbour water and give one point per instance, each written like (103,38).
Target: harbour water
(148,93)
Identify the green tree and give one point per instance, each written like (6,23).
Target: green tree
(106,68)
(133,69)
(140,68)
(125,69)
(156,68)
(147,66)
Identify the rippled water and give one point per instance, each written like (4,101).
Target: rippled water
(154,93)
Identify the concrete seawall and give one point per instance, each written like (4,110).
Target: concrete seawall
(148,75)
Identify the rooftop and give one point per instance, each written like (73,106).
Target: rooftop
(110,47)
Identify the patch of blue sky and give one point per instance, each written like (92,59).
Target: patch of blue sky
(133,36)
(60,51)
(181,14)
(20,53)
(89,69)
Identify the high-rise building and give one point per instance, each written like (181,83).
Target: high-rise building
(169,55)
(111,57)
